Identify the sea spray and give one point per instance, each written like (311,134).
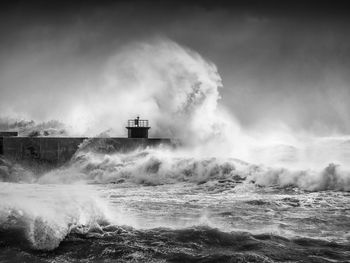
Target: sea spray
(32,128)
(158,166)
(178,90)
(44,214)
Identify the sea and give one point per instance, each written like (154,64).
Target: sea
(155,205)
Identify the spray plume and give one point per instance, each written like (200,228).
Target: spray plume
(178,90)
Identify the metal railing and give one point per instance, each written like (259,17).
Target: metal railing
(137,123)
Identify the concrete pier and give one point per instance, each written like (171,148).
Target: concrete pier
(58,150)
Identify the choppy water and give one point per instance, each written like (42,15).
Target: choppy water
(289,202)
(184,222)
(152,206)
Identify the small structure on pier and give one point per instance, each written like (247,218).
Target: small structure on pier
(138,128)
(56,151)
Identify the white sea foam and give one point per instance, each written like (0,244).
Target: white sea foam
(165,166)
(45,214)
(178,90)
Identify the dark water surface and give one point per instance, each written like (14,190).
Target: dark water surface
(216,221)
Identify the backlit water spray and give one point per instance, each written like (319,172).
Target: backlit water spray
(253,196)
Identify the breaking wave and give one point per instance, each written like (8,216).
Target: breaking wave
(157,166)
(32,128)
(40,217)
(178,90)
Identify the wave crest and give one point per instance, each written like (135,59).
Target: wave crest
(42,216)
(332,177)
(164,166)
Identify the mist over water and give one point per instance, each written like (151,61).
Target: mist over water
(254,190)
(42,216)
(179,92)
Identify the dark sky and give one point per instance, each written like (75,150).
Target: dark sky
(280,61)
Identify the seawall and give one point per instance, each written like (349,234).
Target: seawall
(58,150)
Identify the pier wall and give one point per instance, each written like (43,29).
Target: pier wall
(58,150)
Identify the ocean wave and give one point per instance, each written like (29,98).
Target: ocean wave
(40,217)
(157,166)
(32,128)
(332,177)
